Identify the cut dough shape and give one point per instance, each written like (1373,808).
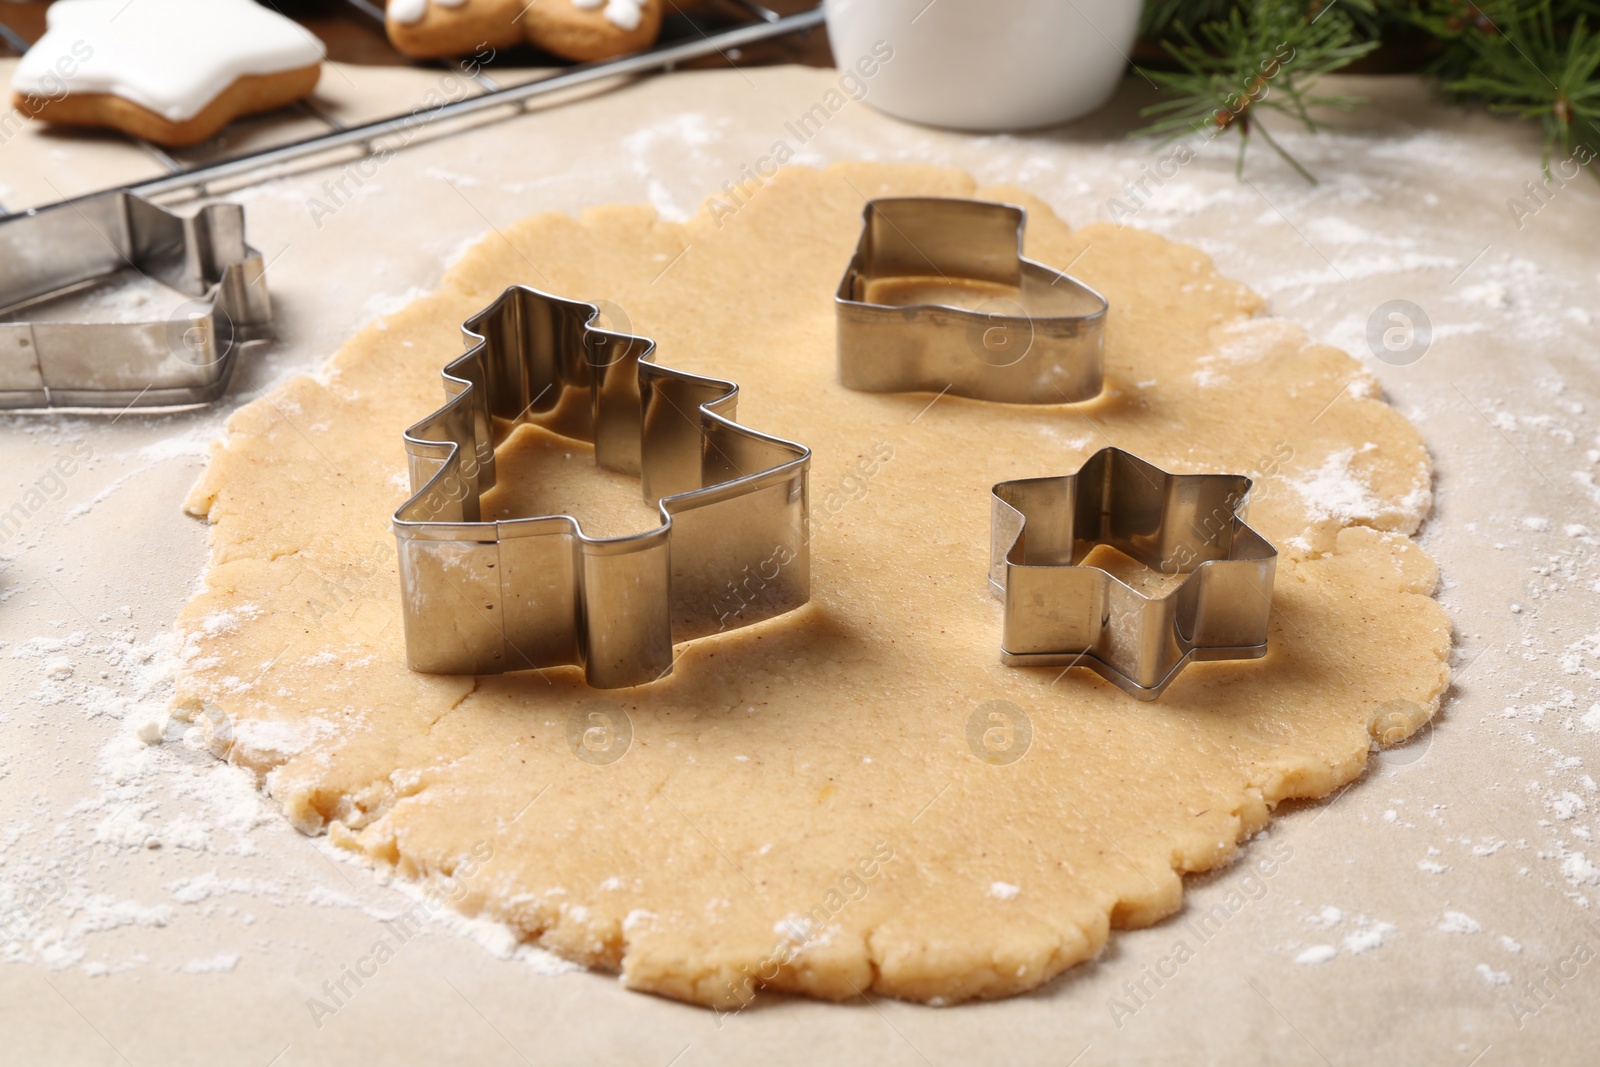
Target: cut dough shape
(823,803)
(173,72)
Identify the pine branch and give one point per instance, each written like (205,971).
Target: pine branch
(1532,63)
(1264,56)
(1236,59)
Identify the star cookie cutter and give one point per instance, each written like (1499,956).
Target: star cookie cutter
(485,597)
(1061,613)
(1037,338)
(185,360)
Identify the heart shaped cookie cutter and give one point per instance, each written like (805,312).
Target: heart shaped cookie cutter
(939,298)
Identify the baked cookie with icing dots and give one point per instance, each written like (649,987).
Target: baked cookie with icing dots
(573,29)
(170,71)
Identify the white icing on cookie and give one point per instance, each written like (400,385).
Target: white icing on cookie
(406,11)
(171,56)
(410,11)
(623,14)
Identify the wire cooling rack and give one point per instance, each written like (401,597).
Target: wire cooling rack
(367,138)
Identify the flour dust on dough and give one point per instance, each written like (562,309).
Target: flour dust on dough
(825,803)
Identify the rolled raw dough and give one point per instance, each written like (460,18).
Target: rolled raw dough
(857,797)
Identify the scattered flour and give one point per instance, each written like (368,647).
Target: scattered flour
(1492,976)
(218,964)
(1335,491)
(1363,941)
(158,793)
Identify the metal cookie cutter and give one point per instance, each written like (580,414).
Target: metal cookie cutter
(1060,613)
(483,597)
(186,359)
(940,298)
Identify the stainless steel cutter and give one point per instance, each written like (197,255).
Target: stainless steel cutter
(220,302)
(1061,613)
(482,597)
(939,298)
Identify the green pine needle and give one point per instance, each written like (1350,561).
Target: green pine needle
(1527,62)
(1236,59)
(1264,56)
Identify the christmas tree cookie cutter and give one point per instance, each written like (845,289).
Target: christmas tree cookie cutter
(485,597)
(1037,338)
(1060,613)
(185,360)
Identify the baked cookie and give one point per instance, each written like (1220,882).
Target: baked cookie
(173,72)
(573,29)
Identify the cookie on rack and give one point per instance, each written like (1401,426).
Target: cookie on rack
(173,72)
(573,29)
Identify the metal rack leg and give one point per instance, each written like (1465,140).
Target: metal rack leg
(12,40)
(159,154)
(317,112)
(765,14)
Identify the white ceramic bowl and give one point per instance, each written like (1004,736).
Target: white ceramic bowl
(986,64)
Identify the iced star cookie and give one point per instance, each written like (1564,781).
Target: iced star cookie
(574,29)
(173,71)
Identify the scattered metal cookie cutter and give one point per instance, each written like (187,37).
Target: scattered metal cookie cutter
(185,360)
(1039,339)
(483,597)
(1060,613)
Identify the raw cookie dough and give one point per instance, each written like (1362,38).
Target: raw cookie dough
(173,72)
(832,802)
(573,29)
